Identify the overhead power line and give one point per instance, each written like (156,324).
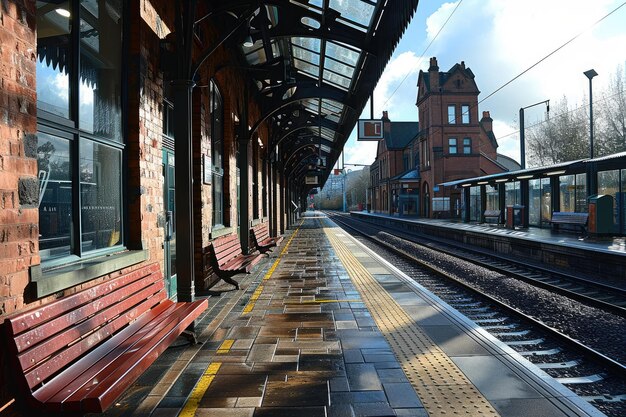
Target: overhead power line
(423,54)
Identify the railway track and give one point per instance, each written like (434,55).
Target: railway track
(589,373)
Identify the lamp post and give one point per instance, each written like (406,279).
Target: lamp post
(522,137)
(590,74)
(591,174)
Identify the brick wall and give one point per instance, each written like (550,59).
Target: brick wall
(19,189)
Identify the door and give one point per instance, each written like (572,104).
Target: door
(169,243)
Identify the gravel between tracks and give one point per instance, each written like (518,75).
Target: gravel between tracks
(604,332)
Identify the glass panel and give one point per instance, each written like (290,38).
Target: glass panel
(53,58)
(475,208)
(217,152)
(621,206)
(101,196)
(331,106)
(312,44)
(306,67)
(55,196)
(342,54)
(328,134)
(581,193)
(534,202)
(608,184)
(100,88)
(464,114)
(567,189)
(336,79)
(339,67)
(546,201)
(467,146)
(452,145)
(306,55)
(493,201)
(356,11)
(451,115)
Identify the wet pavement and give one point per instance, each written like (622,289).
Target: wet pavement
(322,328)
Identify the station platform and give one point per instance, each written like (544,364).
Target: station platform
(600,255)
(325,327)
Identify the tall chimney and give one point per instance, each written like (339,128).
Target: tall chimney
(487,122)
(433,74)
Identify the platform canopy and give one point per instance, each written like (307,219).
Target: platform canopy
(315,64)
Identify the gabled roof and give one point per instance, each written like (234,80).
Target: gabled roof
(445,76)
(401,134)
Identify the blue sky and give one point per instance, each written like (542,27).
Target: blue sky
(498,40)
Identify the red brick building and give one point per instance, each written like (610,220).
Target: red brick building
(450,142)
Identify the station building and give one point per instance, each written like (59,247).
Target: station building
(449,142)
(138,132)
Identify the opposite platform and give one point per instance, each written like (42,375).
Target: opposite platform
(327,328)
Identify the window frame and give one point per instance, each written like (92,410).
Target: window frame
(217,149)
(452,146)
(467,146)
(465,114)
(54,274)
(451,114)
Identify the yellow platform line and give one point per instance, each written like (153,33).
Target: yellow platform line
(225,346)
(441,386)
(198,392)
(255,296)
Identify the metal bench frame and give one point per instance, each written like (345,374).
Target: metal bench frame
(262,239)
(228,260)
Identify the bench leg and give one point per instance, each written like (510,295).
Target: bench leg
(190,335)
(231,281)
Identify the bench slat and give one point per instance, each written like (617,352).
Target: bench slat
(79,334)
(109,388)
(36,316)
(67,348)
(47,393)
(29,339)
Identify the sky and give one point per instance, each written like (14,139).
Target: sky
(498,40)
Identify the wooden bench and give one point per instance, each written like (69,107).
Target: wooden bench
(79,353)
(569,218)
(228,260)
(262,239)
(492,214)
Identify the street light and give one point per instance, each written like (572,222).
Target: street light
(522,137)
(590,74)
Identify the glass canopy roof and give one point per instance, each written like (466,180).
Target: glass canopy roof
(316,62)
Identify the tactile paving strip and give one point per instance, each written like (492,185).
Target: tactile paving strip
(442,387)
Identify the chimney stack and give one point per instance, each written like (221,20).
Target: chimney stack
(487,122)
(433,74)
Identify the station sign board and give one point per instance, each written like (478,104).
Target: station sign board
(311,180)
(370,130)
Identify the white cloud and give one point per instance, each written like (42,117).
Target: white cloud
(391,95)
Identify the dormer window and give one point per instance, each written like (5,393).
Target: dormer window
(451,114)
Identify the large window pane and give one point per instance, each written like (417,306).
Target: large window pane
(53,58)
(493,199)
(101,197)
(55,198)
(100,68)
(217,152)
(534,202)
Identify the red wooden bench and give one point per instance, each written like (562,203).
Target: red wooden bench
(262,239)
(228,259)
(79,353)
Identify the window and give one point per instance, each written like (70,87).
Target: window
(467,146)
(452,148)
(255,178)
(465,114)
(217,152)
(451,114)
(79,139)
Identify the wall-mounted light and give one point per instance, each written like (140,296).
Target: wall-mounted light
(63,12)
(483,182)
(525,177)
(502,180)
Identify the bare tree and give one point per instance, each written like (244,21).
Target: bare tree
(564,137)
(611,124)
